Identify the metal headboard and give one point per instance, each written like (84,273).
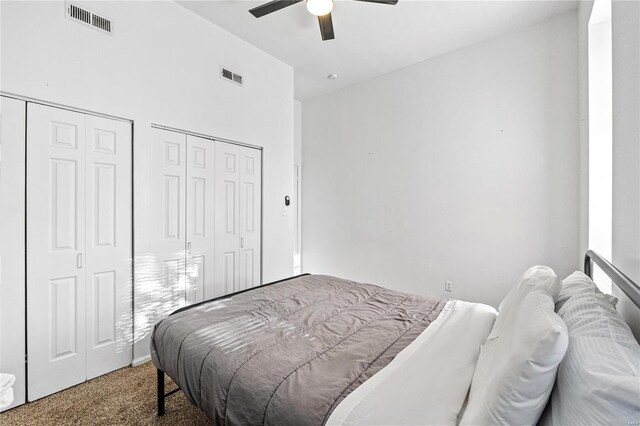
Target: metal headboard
(628,287)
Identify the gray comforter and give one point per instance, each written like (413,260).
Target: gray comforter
(287,353)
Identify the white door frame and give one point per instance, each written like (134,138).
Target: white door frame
(62,106)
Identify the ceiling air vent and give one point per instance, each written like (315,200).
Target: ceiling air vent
(225,74)
(88,18)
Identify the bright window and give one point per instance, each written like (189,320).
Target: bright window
(600,136)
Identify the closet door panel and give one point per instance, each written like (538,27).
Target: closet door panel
(55,249)
(250,216)
(12,245)
(227,227)
(108,259)
(200,216)
(165,285)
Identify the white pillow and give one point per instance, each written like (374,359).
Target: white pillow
(599,379)
(540,277)
(578,283)
(518,363)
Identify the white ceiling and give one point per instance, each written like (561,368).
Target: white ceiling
(371,39)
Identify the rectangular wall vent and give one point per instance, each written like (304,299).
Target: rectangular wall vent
(78,13)
(88,18)
(101,23)
(228,75)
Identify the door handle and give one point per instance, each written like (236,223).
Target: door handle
(79,261)
(241,242)
(189,247)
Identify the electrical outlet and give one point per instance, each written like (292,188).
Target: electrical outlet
(448,286)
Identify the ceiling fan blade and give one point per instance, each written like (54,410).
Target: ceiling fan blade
(326,27)
(391,2)
(271,7)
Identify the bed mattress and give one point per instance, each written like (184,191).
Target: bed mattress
(287,353)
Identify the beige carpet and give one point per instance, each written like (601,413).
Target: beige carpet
(124,397)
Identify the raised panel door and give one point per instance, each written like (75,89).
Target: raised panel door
(227,227)
(108,248)
(161,284)
(250,216)
(200,218)
(55,249)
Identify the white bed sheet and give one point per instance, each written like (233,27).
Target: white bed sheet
(427,383)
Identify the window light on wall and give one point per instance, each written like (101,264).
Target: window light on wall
(600,136)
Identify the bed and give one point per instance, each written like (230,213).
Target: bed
(316,349)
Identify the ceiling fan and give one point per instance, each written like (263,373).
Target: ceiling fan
(320,8)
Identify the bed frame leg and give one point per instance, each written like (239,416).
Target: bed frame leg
(160,393)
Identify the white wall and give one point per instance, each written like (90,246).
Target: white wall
(625,24)
(464,167)
(161,65)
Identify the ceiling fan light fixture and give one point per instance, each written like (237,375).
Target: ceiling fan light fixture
(319,7)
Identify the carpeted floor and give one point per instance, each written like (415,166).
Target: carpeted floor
(124,397)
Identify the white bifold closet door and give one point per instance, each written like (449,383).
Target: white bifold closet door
(78,247)
(200,215)
(183,198)
(12,244)
(238,217)
(168,197)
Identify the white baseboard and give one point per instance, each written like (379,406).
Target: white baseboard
(139,361)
